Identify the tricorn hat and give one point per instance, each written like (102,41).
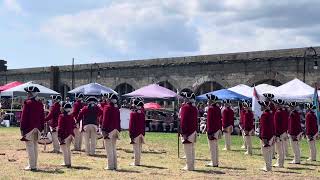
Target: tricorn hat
(212,97)
(110,95)
(31,89)
(187,93)
(56,97)
(228,101)
(279,101)
(268,95)
(79,95)
(92,98)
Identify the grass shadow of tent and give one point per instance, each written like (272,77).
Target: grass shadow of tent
(209,171)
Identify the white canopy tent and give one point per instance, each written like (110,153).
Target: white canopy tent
(294,90)
(19,90)
(242,89)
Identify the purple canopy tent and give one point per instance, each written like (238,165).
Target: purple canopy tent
(153,91)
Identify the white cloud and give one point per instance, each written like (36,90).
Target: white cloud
(178,27)
(13,6)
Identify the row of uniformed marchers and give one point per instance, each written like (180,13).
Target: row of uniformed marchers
(68,124)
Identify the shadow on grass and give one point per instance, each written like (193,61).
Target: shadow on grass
(144,151)
(50,171)
(299,168)
(233,168)
(209,171)
(80,168)
(309,164)
(287,172)
(127,171)
(22,149)
(199,159)
(99,155)
(153,167)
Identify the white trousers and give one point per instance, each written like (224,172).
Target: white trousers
(280,151)
(227,138)
(248,143)
(65,148)
(214,150)
(111,149)
(77,139)
(267,155)
(286,147)
(90,138)
(244,145)
(313,150)
(296,151)
(32,147)
(55,141)
(137,149)
(189,150)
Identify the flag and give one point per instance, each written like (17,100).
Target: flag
(256,108)
(316,103)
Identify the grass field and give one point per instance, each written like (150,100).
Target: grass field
(159,161)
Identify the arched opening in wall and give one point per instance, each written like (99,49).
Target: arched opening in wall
(208,87)
(268,81)
(124,88)
(167,85)
(63,90)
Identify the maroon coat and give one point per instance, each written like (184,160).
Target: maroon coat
(227,117)
(32,116)
(294,123)
(213,119)
(266,126)
(188,119)
(311,124)
(280,122)
(65,126)
(111,118)
(89,115)
(248,121)
(53,115)
(137,124)
(77,106)
(242,114)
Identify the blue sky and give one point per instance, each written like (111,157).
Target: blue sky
(43,33)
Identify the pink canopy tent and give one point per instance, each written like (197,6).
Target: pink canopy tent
(10,85)
(153,91)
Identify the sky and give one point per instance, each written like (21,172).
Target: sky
(36,33)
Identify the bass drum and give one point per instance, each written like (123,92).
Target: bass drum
(45,137)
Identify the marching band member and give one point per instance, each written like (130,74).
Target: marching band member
(189,124)
(90,115)
(137,126)
(311,131)
(66,125)
(227,123)
(248,126)
(213,128)
(266,135)
(280,121)
(52,117)
(269,98)
(78,105)
(111,128)
(285,109)
(241,124)
(295,132)
(32,122)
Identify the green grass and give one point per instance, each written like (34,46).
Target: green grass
(159,160)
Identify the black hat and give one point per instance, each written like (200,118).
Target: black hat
(212,97)
(310,106)
(138,103)
(293,104)
(139,99)
(31,89)
(67,106)
(246,104)
(79,95)
(110,95)
(264,103)
(268,95)
(56,97)
(228,101)
(187,93)
(280,101)
(92,98)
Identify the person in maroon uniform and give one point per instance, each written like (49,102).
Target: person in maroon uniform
(227,123)
(52,117)
(111,128)
(31,124)
(137,126)
(213,128)
(266,134)
(295,132)
(285,109)
(280,121)
(248,126)
(269,98)
(77,106)
(311,131)
(188,127)
(241,125)
(90,115)
(66,125)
